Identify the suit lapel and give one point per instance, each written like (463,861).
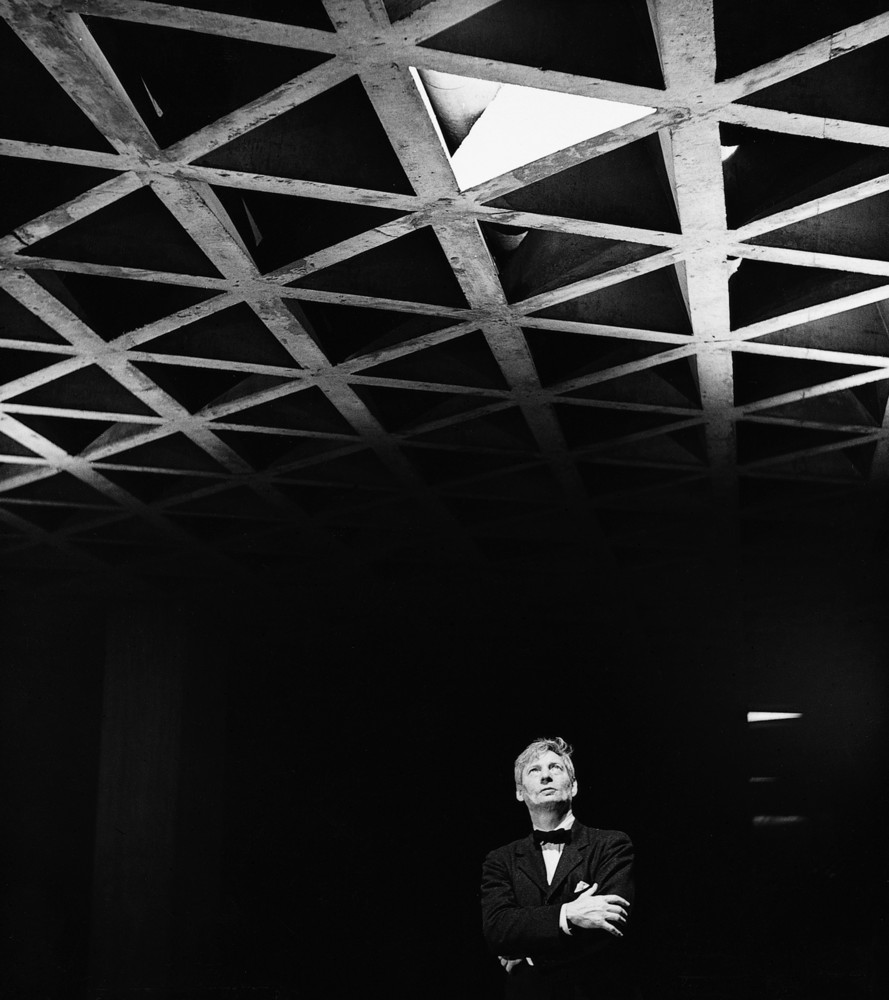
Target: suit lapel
(530,861)
(572,855)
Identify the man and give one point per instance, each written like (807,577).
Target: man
(555,904)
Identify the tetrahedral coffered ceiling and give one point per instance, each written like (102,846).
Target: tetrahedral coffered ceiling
(251,322)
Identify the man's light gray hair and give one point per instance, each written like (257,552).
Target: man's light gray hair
(539,747)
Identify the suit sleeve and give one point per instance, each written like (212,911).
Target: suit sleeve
(511,929)
(614,875)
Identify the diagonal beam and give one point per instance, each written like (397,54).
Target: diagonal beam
(808,57)
(811,313)
(439,15)
(809,126)
(208,22)
(272,184)
(65,47)
(571,156)
(21,261)
(76,209)
(585,286)
(603,330)
(284,98)
(198,210)
(630,368)
(581,227)
(425,162)
(65,154)
(811,354)
(809,258)
(337,252)
(820,205)
(809,392)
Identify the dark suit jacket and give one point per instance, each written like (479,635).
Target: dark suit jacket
(520,915)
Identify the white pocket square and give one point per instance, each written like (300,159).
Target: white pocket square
(581,886)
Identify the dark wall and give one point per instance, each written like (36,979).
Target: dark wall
(343,763)
(50,700)
(816,640)
(397,733)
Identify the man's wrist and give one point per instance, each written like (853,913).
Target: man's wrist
(564,922)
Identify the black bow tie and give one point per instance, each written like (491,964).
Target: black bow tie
(552,837)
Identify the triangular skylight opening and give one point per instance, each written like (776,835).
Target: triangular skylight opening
(489,129)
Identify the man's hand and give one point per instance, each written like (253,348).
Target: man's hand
(509,963)
(605,912)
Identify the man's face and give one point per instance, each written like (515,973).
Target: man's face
(545,781)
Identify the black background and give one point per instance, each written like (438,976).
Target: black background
(365,769)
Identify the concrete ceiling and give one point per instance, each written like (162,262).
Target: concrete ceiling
(250,324)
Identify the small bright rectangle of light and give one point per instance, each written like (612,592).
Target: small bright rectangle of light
(772,716)
(523,124)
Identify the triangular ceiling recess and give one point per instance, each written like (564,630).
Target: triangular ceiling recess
(491,128)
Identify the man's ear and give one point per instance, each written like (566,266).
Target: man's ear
(520,795)
(573,789)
